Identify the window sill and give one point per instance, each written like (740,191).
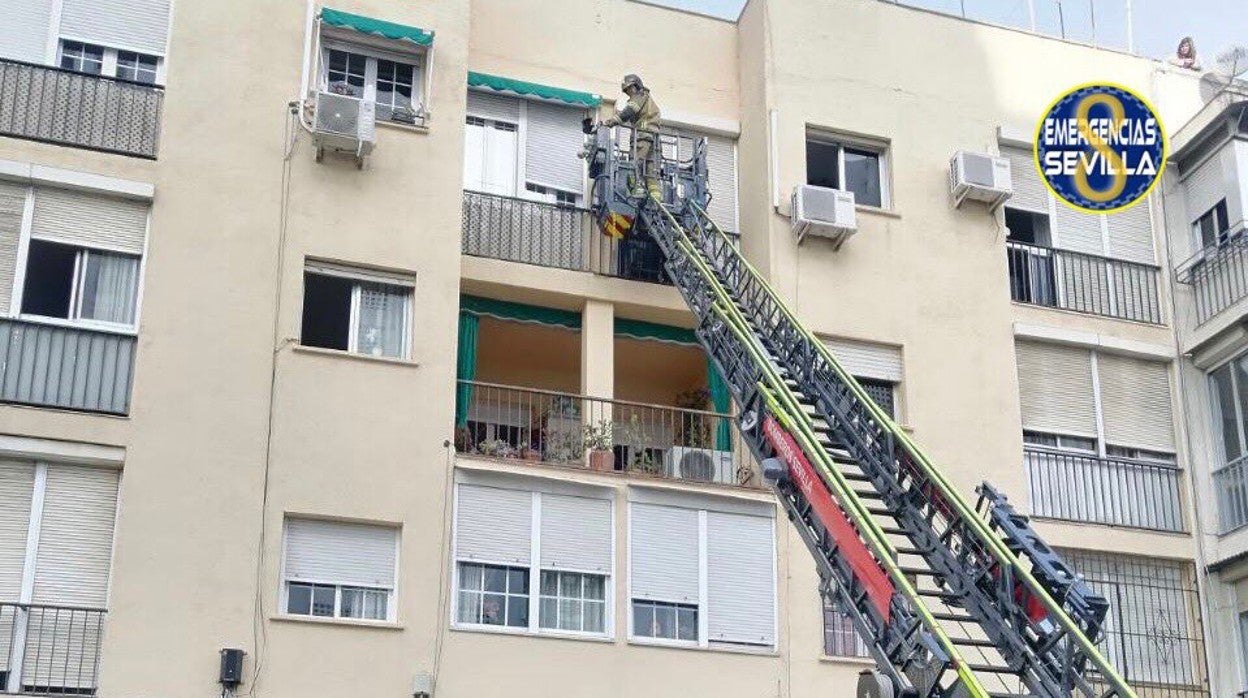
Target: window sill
(339,353)
(853,661)
(876,211)
(525,632)
(343,622)
(400,126)
(77,325)
(727,649)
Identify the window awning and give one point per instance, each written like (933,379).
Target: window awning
(368,25)
(640,329)
(532,89)
(519,312)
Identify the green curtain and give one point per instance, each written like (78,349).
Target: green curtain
(721,401)
(465,365)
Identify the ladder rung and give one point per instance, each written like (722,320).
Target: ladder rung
(869,494)
(992,669)
(972,642)
(954,617)
(908,551)
(937,594)
(894,531)
(920,571)
(881,511)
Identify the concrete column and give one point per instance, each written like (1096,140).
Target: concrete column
(598,369)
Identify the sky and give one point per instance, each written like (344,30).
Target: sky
(1159,24)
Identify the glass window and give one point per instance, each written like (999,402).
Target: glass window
(670,621)
(573,601)
(395,83)
(1212,228)
(369,604)
(840,639)
(862,177)
(310,599)
(347,73)
(856,169)
(882,392)
(364,317)
(823,167)
(394,86)
(493,595)
(138,67)
(76,283)
(1225,381)
(83,58)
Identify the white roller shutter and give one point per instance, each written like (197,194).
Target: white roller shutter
(1055,389)
(664,552)
(1204,186)
(1131,234)
(24,31)
(76,536)
(141,25)
(91,220)
(1029,192)
(553,139)
(488,105)
(721,166)
(1078,231)
(1135,402)
(493,524)
(16,485)
(12,205)
(741,590)
(334,552)
(576,533)
(867,360)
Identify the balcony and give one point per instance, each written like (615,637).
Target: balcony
(45,103)
(1218,275)
(1083,282)
(66,367)
(50,650)
(549,428)
(1231,485)
(1112,491)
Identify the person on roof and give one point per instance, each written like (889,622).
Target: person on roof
(1185,55)
(642,113)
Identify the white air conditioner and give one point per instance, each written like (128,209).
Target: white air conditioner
(979,177)
(344,124)
(699,465)
(823,212)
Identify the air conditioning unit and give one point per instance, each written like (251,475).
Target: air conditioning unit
(344,124)
(823,212)
(979,177)
(699,465)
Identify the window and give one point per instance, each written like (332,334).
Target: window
(1229,385)
(851,167)
(1027,227)
(1243,650)
(80,284)
(339,570)
(876,367)
(114,63)
(345,312)
(1032,278)
(1063,442)
(510,541)
(840,638)
(552,195)
(700,576)
(882,393)
(1213,228)
(393,82)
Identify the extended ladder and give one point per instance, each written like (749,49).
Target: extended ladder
(951,601)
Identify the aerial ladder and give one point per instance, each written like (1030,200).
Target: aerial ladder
(951,600)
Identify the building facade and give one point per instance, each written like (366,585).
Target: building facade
(403,422)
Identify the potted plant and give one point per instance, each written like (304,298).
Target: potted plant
(695,429)
(463,440)
(598,440)
(496,448)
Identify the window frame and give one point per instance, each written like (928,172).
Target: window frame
(357,278)
(879,147)
(1219,216)
(284,582)
(1215,407)
(417,57)
(110,61)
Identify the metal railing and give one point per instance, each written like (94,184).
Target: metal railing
(546,427)
(50,650)
(68,367)
(50,104)
(1231,485)
(1114,491)
(1083,282)
(1218,275)
(554,235)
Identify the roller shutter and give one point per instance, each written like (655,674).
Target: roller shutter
(139,25)
(1055,389)
(740,579)
(494,525)
(1135,402)
(664,551)
(91,220)
(576,533)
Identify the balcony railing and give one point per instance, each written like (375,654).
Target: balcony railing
(1231,485)
(46,103)
(49,650)
(1218,275)
(1113,491)
(66,367)
(1082,282)
(544,427)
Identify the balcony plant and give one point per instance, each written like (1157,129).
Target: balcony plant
(640,457)
(695,429)
(598,438)
(496,448)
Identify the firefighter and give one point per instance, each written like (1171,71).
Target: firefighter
(642,113)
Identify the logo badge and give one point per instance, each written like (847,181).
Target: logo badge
(1100,148)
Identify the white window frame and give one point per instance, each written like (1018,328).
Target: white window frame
(109,68)
(1215,407)
(535,570)
(1221,238)
(522,182)
(879,147)
(519,183)
(391,599)
(358,277)
(417,58)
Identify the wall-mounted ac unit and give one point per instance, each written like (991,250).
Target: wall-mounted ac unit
(823,212)
(699,465)
(344,124)
(979,177)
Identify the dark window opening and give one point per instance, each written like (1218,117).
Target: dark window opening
(862,177)
(1027,227)
(326,311)
(49,279)
(1214,227)
(823,166)
(882,393)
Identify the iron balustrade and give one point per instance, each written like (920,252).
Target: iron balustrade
(1231,485)
(1217,274)
(1114,491)
(552,428)
(54,105)
(75,368)
(50,649)
(1082,282)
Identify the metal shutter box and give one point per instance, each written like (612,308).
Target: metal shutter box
(1029,192)
(740,581)
(1055,389)
(491,106)
(867,360)
(139,25)
(91,220)
(493,524)
(1135,402)
(76,536)
(340,553)
(721,166)
(576,533)
(552,141)
(12,205)
(664,551)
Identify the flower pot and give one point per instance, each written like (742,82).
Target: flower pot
(601,460)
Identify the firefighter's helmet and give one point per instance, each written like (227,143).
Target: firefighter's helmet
(631,80)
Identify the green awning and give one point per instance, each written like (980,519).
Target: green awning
(519,312)
(639,329)
(532,89)
(368,25)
